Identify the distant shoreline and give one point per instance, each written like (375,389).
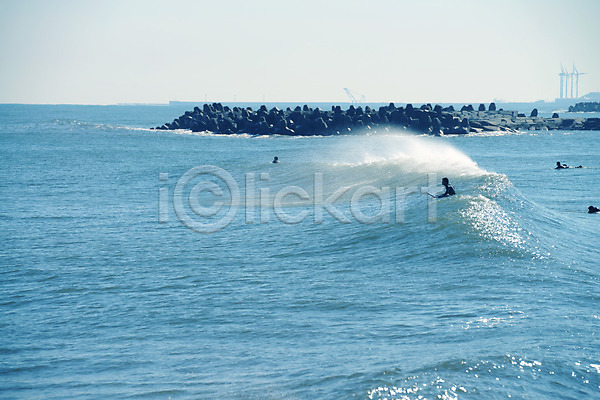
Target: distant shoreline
(543,106)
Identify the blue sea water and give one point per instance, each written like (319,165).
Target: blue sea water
(117,283)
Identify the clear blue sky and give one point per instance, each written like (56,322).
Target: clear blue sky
(105,52)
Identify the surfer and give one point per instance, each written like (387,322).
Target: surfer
(449,189)
(275,160)
(593,210)
(564,166)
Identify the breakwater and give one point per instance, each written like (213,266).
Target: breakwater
(427,119)
(585,107)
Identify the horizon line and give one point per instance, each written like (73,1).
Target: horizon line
(299,102)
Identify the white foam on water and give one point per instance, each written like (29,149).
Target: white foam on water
(411,153)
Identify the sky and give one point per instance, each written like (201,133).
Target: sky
(150,51)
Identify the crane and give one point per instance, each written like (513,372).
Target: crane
(352,95)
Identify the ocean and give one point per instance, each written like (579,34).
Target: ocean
(169,265)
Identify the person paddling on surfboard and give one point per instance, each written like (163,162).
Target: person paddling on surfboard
(275,160)
(449,189)
(593,210)
(448,192)
(565,166)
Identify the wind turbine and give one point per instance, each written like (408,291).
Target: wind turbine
(577,73)
(562,75)
(571,75)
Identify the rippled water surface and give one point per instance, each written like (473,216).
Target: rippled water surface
(382,293)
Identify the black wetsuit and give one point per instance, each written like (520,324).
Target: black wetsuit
(565,166)
(449,192)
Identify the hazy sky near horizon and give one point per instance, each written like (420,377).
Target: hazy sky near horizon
(149,51)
